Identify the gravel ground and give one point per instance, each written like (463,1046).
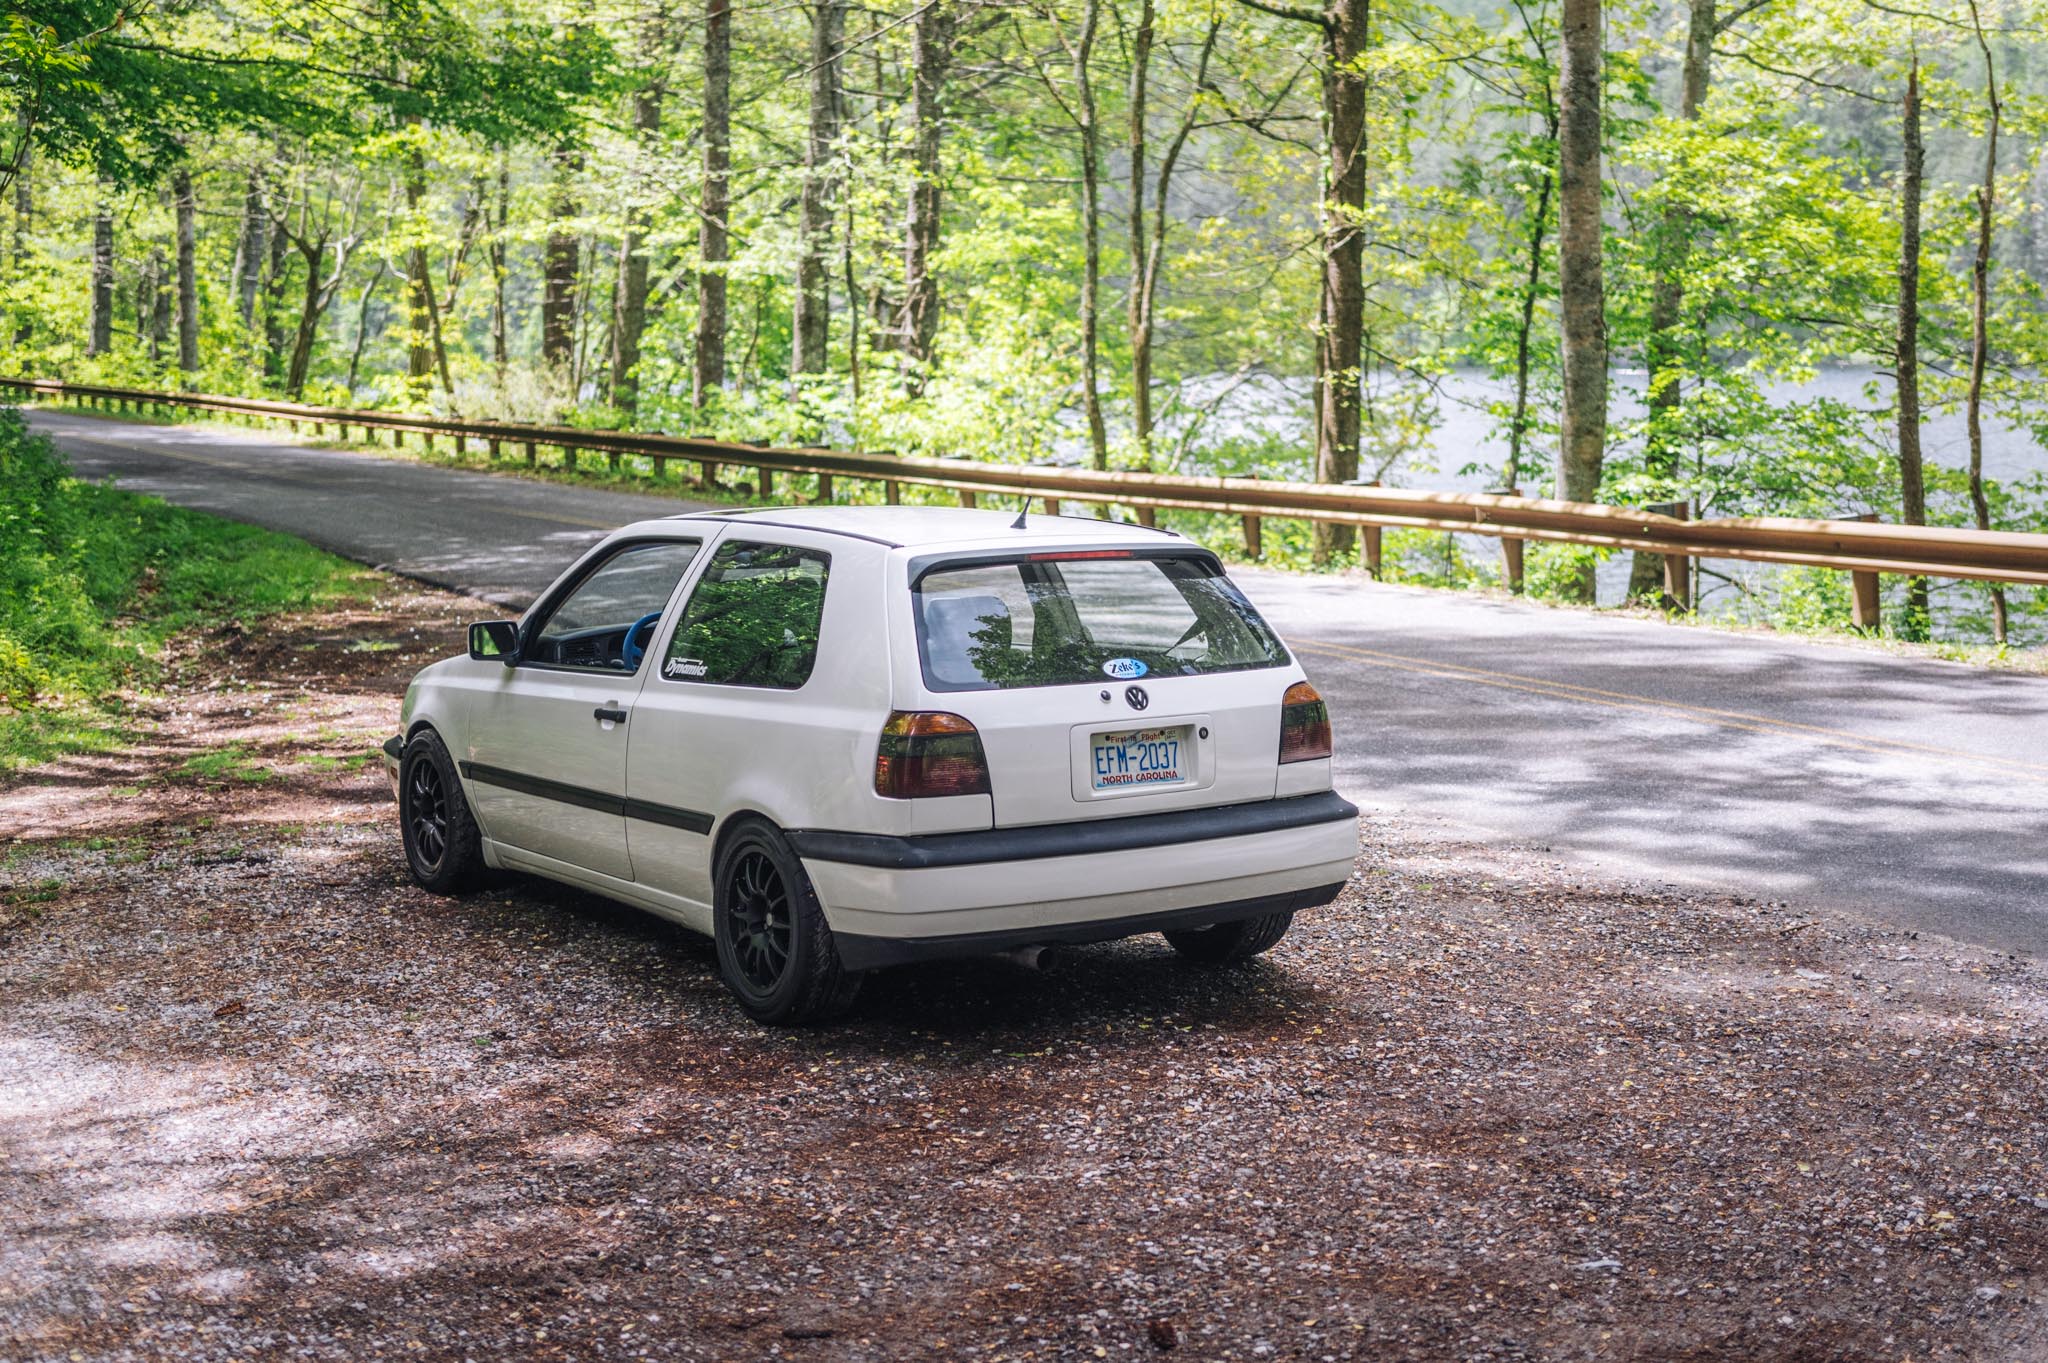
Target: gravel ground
(260,1098)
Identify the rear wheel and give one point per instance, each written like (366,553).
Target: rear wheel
(775,951)
(443,849)
(1227,943)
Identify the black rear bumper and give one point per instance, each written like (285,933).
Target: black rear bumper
(872,953)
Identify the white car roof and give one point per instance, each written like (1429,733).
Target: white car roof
(933,527)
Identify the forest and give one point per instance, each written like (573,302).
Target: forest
(1757,257)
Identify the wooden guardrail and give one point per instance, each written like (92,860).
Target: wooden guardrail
(1863,548)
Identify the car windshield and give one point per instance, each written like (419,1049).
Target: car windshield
(1067,619)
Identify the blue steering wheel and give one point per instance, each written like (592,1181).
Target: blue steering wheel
(630,652)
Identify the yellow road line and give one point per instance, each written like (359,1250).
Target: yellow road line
(1625,700)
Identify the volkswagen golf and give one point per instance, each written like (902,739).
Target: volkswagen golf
(842,738)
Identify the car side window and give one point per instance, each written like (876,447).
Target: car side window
(753,618)
(607,620)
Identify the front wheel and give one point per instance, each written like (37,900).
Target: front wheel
(443,848)
(775,951)
(1229,943)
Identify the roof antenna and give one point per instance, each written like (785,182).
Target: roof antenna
(1018,524)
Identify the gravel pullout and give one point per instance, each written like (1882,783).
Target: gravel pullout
(260,1098)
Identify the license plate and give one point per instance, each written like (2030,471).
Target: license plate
(1140,757)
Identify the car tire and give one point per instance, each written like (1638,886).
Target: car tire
(443,847)
(1229,943)
(775,950)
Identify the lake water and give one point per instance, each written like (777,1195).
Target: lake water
(1464,435)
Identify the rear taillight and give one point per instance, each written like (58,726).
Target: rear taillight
(1304,724)
(926,752)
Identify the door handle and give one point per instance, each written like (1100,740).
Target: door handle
(610,712)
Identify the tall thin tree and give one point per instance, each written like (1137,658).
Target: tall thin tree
(713,204)
(1980,304)
(811,327)
(1345,27)
(1582,438)
(1912,474)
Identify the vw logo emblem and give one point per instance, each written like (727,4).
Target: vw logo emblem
(1137,697)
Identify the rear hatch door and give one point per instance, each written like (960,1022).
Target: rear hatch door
(1105,683)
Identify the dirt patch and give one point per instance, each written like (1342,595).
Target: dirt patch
(260,1097)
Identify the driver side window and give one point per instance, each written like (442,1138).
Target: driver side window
(607,619)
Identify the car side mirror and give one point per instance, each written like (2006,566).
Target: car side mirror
(495,639)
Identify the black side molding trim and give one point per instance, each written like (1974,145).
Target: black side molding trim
(858,952)
(1084,838)
(646,811)
(689,820)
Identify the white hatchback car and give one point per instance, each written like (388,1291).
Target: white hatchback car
(841,738)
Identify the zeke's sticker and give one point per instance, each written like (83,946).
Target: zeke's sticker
(683,667)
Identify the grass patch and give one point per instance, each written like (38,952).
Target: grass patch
(229,763)
(94,581)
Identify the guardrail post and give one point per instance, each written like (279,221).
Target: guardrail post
(825,488)
(427,441)
(1677,568)
(707,474)
(611,460)
(569,458)
(892,492)
(1148,516)
(660,462)
(1253,548)
(532,454)
(766,487)
(1866,613)
(491,448)
(1510,548)
(969,498)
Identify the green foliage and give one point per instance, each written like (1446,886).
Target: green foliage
(93,582)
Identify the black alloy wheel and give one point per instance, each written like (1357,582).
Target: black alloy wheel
(443,845)
(758,921)
(426,814)
(775,950)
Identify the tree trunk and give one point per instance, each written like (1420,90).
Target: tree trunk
(311,306)
(811,329)
(1912,477)
(1145,268)
(188,283)
(1980,299)
(1140,304)
(708,376)
(501,356)
(419,281)
(24,217)
(1667,296)
(1532,278)
(273,295)
(931,58)
(355,357)
(629,294)
(250,248)
(152,304)
(560,260)
(100,338)
(1581,287)
(1340,367)
(1091,234)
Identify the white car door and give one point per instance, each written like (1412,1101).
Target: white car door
(546,759)
(732,701)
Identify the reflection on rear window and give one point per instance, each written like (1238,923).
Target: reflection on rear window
(1065,622)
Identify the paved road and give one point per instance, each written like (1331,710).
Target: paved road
(1913,792)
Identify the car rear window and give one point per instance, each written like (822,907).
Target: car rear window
(1048,620)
